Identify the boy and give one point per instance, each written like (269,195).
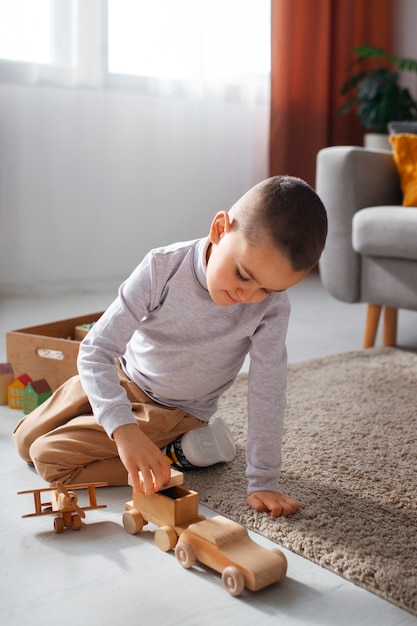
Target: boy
(152,368)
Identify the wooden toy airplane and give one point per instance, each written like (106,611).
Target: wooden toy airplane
(64,504)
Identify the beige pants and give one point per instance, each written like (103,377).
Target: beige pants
(64,441)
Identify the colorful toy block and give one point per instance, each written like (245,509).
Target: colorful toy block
(6,377)
(35,394)
(14,390)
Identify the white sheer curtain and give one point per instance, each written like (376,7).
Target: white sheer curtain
(132,129)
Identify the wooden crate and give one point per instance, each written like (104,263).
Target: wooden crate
(47,351)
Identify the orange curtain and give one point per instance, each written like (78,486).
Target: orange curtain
(312,46)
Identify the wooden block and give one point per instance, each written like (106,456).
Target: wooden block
(15,390)
(177,478)
(6,377)
(81,331)
(34,394)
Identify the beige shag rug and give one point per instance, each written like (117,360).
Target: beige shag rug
(350,457)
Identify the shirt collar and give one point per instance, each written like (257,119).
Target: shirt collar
(200,261)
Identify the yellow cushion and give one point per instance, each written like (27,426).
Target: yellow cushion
(405,156)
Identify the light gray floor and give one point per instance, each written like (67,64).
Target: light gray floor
(103,575)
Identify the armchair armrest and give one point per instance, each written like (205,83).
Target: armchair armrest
(349,179)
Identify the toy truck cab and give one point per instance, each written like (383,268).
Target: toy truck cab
(225,546)
(171,509)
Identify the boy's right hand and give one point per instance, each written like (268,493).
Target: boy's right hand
(139,454)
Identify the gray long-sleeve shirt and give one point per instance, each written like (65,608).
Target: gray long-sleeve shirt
(184,350)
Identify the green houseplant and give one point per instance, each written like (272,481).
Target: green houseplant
(378,97)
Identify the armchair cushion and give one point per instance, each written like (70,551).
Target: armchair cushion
(405,157)
(385,231)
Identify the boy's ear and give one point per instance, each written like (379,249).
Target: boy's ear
(220,225)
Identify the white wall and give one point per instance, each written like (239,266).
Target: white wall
(91,180)
(405,40)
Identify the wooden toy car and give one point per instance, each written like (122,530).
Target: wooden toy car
(226,547)
(172,509)
(64,504)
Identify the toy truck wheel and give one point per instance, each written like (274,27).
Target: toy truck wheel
(76,522)
(284,562)
(185,554)
(166,538)
(233,580)
(59,525)
(133,521)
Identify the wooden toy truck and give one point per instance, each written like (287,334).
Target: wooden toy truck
(173,509)
(219,543)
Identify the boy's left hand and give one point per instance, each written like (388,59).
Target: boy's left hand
(273,502)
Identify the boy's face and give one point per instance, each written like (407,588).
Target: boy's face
(239,273)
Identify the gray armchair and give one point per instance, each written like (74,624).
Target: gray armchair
(371,250)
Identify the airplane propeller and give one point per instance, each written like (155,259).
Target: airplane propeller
(71,498)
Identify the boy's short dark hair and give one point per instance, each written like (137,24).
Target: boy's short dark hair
(290,212)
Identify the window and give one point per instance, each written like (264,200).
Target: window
(37,32)
(189,39)
(135,43)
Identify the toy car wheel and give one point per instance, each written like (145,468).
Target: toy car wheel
(166,538)
(59,525)
(284,562)
(133,521)
(233,580)
(185,554)
(76,522)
